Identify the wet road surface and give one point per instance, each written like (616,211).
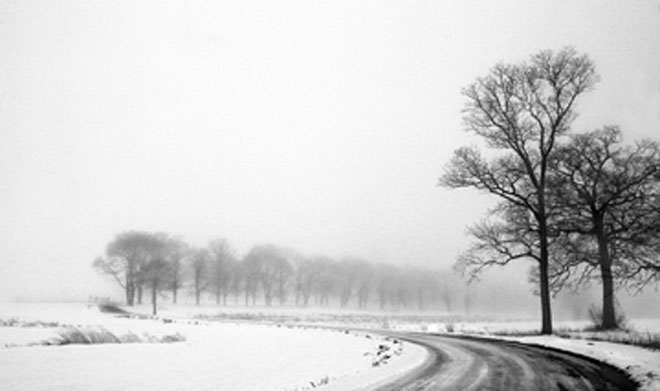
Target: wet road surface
(457,363)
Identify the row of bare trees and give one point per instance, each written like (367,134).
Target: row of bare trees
(266,275)
(581,205)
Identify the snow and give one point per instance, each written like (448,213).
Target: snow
(215,355)
(642,364)
(258,348)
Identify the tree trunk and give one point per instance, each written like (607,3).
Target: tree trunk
(546,311)
(130,288)
(129,295)
(139,294)
(174,292)
(154,298)
(608,321)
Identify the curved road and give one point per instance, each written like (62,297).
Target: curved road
(457,363)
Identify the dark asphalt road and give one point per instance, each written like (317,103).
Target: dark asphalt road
(480,364)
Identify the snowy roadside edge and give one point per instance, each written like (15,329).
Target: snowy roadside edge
(412,357)
(642,365)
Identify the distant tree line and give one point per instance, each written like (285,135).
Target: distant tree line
(580,205)
(162,265)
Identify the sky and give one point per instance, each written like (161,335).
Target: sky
(318,125)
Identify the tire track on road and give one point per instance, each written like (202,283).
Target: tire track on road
(469,363)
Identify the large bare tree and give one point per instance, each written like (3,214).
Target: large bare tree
(520,111)
(608,191)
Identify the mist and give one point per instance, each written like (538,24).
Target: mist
(322,127)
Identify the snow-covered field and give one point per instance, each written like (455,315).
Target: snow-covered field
(214,355)
(199,348)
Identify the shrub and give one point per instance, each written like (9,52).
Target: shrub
(111,308)
(86,335)
(596,317)
(99,335)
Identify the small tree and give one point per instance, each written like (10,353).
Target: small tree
(385,283)
(325,282)
(223,265)
(199,262)
(348,278)
(305,276)
(177,251)
(283,273)
(365,276)
(157,268)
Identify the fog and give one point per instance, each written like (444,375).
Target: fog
(321,126)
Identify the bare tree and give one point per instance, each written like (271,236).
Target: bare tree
(250,277)
(608,191)
(157,268)
(325,272)
(283,273)
(305,278)
(199,264)
(385,284)
(347,279)
(125,257)
(223,265)
(448,288)
(268,265)
(365,276)
(426,286)
(521,111)
(177,252)
(237,279)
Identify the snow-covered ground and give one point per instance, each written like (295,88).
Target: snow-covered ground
(256,348)
(215,355)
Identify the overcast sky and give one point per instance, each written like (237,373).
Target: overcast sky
(319,125)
